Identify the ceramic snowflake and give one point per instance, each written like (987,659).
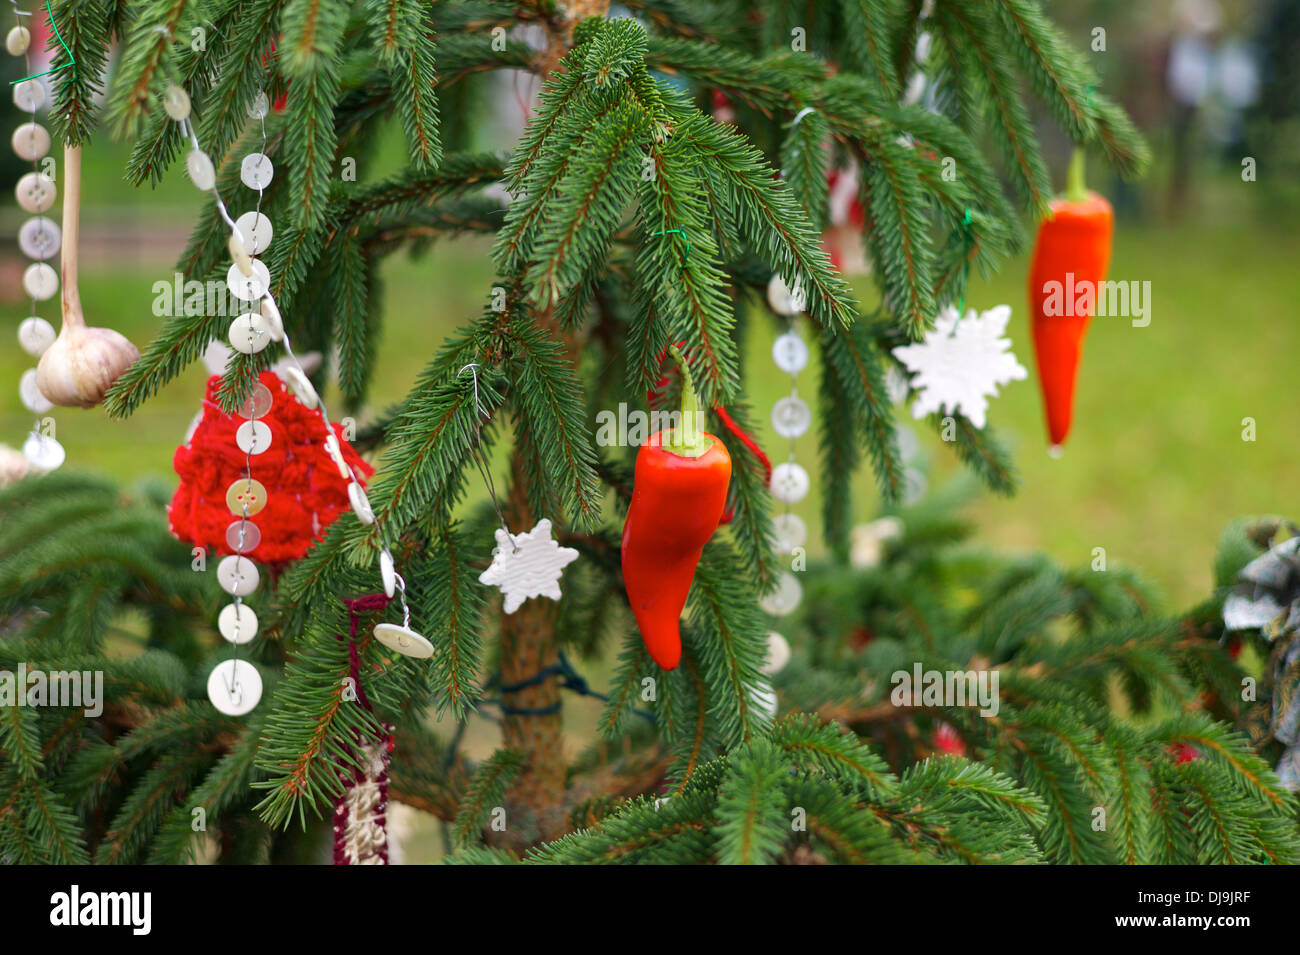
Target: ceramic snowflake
(527,565)
(961,363)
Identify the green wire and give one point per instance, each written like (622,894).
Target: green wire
(72,59)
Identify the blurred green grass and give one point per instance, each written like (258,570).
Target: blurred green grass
(1155,466)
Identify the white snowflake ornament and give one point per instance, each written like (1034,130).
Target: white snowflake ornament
(527,565)
(961,363)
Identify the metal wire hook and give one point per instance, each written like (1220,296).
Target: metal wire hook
(478,405)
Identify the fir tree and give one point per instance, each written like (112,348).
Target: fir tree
(635,221)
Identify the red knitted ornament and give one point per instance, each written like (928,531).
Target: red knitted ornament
(304,491)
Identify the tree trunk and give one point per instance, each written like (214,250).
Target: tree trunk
(532,722)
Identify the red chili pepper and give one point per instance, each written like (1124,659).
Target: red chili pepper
(1071,256)
(678,495)
(729,423)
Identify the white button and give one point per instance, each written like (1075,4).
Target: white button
(249,288)
(778,653)
(40,281)
(336,453)
(790,482)
(39,237)
(785,598)
(790,353)
(199,166)
(36,192)
(248,334)
(274,323)
(256,231)
(43,452)
(29,95)
(791,417)
(764,700)
(29,391)
(404,640)
(387,574)
(31,141)
(791,532)
(783,299)
(18,40)
(301,386)
(35,335)
(234,687)
(360,503)
(237,623)
(243,537)
(238,575)
(256,171)
(239,255)
(176,103)
(253,437)
(257,404)
(260,106)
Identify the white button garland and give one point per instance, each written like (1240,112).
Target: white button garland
(237,623)
(35,192)
(234,687)
(44,453)
(30,393)
(200,169)
(778,654)
(248,334)
(40,281)
(238,575)
(35,335)
(253,437)
(791,419)
(790,483)
(404,640)
(791,532)
(250,281)
(176,103)
(360,503)
(31,141)
(790,353)
(256,171)
(256,231)
(29,95)
(785,597)
(302,389)
(39,238)
(387,572)
(18,40)
(248,288)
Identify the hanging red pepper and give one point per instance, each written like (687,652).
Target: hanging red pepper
(678,495)
(729,423)
(1071,256)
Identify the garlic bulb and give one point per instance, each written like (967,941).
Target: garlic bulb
(81,365)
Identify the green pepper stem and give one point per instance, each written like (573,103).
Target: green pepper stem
(1076,190)
(687,440)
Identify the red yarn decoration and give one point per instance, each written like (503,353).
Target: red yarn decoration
(304,491)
